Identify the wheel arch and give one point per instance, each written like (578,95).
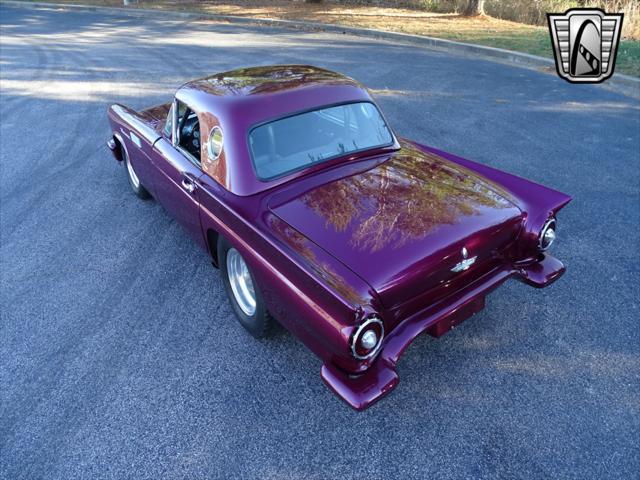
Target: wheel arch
(212,243)
(119,150)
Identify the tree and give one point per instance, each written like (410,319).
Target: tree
(474,7)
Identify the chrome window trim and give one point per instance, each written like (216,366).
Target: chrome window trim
(175,133)
(174,123)
(211,154)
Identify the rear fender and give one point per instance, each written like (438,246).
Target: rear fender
(537,202)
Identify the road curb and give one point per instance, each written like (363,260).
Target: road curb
(619,83)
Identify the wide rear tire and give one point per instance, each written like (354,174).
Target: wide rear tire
(243,291)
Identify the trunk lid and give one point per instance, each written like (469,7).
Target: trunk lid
(402,225)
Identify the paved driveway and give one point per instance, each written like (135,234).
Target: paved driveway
(120,357)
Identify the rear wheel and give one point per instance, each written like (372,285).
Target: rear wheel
(243,292)
(134,181)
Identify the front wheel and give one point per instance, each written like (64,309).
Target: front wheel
(243,292)
(134,181)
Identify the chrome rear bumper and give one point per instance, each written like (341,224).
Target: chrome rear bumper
(361,390)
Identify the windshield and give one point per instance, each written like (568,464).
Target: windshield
(289,144)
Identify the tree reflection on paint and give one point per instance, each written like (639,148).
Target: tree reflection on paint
(302,245)
(402,200)
(270,79)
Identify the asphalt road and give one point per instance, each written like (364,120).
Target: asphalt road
(120,357)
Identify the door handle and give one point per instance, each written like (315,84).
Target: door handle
(188,185)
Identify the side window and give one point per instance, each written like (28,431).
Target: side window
(188,131)
(168,124)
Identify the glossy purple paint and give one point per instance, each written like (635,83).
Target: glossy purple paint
(373,233)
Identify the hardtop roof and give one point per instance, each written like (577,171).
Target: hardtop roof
(268,79)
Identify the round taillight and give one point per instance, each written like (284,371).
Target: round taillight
(547,234)
(367,338)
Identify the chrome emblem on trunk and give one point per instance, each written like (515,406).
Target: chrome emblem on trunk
(465,263)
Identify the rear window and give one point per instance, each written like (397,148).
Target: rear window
(293,143)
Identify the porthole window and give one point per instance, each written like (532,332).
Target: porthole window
(214,147)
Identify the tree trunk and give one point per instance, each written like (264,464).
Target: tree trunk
(474,7)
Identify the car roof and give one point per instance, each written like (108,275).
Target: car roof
(239,100)
(263,93)
(243,82)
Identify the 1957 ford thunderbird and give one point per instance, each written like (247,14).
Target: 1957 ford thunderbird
(355,240)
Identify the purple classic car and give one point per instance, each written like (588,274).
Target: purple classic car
(355,240)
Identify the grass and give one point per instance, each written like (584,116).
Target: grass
(481,30)
(537,42)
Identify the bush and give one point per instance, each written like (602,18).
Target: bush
(532,12)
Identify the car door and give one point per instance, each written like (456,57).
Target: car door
(179,171)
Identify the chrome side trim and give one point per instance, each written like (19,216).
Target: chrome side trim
(135,139)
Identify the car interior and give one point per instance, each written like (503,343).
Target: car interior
(189,137)
(188,128)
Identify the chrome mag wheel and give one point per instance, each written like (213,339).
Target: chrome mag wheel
(241,283)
